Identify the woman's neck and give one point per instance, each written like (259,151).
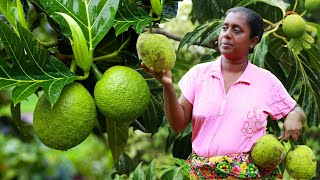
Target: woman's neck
(233,66)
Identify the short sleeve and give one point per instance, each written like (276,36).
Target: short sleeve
(187,84)
(279,101)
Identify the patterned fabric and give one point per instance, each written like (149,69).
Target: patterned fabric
(236,166)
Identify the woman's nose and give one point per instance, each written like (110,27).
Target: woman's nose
(227,33)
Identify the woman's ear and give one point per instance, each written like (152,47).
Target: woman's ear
(255,40)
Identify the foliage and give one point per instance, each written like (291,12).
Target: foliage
(31,160)
(47,44)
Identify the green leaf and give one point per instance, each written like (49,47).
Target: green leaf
(79,45)
(21,18)
(16,116)
(117,137)
(308,38)
(205,34)
(138,173)
(313,56)
(175,174)
(260,51)
(150,173)
(95,17)
(124,165)
(309,98)
(32,67)
(204,10)
(264,10)
(182,147)
(129,14)
(9,10)
(153,116)
(277,3)
(273,66)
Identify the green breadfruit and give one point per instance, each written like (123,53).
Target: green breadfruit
(156,51)
(122,94)
(268,152)
(69,122)
(301,163)
(294,26)
(312,6)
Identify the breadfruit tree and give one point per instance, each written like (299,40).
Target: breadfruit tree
(47,44)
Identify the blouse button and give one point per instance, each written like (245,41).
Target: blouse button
(220,113)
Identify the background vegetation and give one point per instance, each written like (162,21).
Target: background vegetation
(151,150)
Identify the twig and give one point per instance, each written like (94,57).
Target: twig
(177,37)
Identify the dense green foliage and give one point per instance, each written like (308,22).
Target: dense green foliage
(47,44)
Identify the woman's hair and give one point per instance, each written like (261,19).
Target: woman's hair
(254,20)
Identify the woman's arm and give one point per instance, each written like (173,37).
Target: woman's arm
(178,112)
(293,123)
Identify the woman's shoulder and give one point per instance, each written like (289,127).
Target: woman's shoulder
(263,71)
(265,74)
(204,67)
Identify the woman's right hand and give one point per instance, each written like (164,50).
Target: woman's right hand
(164,77)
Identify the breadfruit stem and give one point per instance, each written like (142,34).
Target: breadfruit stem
(292,143)
(268,22)
(73,66)
(107,57)
(303,13)
(48,44)
(96,72)
(273,31)
(85,76)
(124,43)
(280,37)
(295,5)
(110,57)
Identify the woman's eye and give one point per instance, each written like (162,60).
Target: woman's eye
(224,28)
(237,30)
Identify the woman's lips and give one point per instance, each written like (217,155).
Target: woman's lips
(226,45)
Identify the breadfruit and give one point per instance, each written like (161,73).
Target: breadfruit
(69,122)
(294,26)
(122,94)
(312,6)
(301,163)
(156,51)
(267,152)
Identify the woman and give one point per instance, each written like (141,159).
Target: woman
(228,101)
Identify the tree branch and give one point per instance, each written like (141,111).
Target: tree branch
(179,38)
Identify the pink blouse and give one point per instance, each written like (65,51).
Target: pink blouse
(225,124)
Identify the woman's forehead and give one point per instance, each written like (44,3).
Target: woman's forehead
(236,18)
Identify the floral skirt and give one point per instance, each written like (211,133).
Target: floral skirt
(236,166)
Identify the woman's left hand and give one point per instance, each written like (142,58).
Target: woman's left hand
(292,126)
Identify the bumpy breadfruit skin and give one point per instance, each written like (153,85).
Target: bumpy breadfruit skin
(268,152)
(301,163)
(294,26)
(156,51)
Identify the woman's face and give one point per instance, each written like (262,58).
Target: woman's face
(234,38)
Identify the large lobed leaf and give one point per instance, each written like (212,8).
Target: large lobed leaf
(303,77)
(129,14)
(32,67)
(260,51)
(203,34)
(117,136)
(277,3)
(9,10)
(95,24)
(205,10)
